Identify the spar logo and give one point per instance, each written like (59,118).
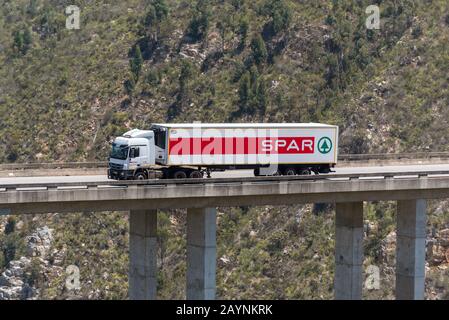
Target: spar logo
(324,145)
(287,145)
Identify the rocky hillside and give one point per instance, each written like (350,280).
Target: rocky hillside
(64,94)
(263,253)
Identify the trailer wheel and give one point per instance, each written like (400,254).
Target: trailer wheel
(289,172)
(324,169)
(180,174)
(304,172)
(195,174)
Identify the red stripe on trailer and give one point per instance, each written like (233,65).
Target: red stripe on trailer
(242,145)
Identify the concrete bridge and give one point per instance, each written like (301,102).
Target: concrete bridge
(201,197)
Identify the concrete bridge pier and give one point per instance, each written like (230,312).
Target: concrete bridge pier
(411,249)
(348,251)
(201,253)
(142,254)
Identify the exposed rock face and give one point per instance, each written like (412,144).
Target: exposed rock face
(39,243)
(193,51)
(388,248)
(14,282)
(438,248)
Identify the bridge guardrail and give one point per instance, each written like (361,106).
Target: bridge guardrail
(54,165)
(393,156)
(341,157)
(173,182)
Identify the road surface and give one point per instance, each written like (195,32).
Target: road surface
(229,174)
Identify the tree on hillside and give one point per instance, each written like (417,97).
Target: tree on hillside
(136,62)
(280,14)
(129,85)
(135,66)
(157,13)
(222,27)
(32,8)
(9,241)
(261,99)
(10,226)
(238,4)
(243,31)
(184,77)
(27,40)
(22,41)
(199,25)
(259,50)
(183,97)
(48,24)
(245,90)
(340,47)
(252,94)
(18,41)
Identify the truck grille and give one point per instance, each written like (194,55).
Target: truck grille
(115,166)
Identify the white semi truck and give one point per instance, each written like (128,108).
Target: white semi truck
(179,151)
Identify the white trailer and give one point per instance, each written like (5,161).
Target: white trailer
(190,150)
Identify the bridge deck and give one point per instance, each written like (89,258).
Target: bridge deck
(164,194)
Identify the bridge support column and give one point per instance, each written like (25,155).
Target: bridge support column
(411,250)
(348,251)
(142,255)
(201,253)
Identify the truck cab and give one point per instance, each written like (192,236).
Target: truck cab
(132,155)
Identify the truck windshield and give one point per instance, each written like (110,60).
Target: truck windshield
(119,151)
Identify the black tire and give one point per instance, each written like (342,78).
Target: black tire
(326,169)
(140,176)
(289,171)
(196,174)
(305,172)
(180,174)
(257,172)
